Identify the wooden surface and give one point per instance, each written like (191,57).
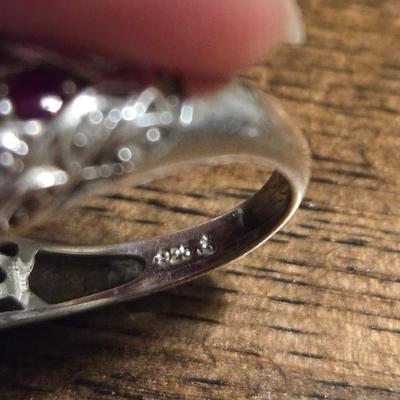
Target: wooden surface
(315,313)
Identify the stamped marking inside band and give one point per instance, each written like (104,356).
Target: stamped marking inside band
(183,253)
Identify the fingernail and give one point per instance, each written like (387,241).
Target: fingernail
(294,24)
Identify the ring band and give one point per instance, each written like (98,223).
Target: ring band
(97,138)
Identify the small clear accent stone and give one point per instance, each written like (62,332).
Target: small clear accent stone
(96,117)
(5,106)
(153,135)
(6,159)
(186,252)
(125,154)
(175,255)
(80,140)
(206,247)
(162,257)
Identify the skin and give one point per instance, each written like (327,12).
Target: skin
(205,40)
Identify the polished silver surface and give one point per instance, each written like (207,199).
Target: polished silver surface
(101,137)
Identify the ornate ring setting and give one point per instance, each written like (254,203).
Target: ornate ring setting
(62,136)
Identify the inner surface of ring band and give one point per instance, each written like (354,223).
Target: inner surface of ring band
(73,275)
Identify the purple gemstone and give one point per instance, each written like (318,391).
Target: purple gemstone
(40,93)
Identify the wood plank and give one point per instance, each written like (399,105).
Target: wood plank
(315,313)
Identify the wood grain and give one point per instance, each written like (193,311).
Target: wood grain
(315,313)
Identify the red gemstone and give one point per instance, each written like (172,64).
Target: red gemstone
(39,93)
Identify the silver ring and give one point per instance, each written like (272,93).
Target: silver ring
(77,138)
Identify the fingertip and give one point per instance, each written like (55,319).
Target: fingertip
(199,38)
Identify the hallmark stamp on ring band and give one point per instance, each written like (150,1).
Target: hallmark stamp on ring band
(183,253)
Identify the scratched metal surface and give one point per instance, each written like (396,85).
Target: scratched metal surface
(315,314)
